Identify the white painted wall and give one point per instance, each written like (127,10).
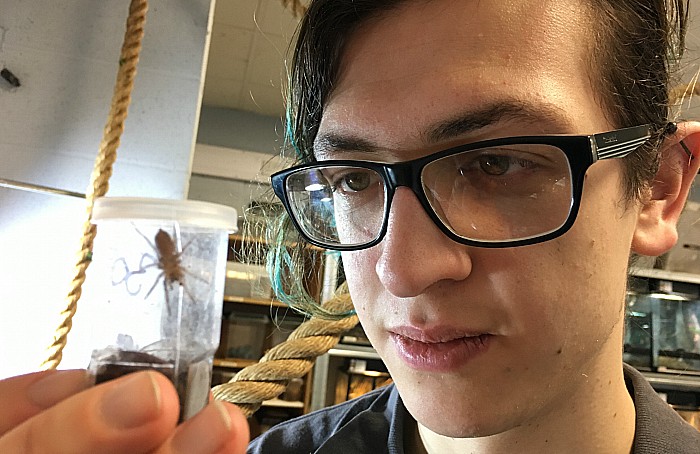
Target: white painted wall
(235,164)
(65,53)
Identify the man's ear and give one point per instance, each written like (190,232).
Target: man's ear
(656,230)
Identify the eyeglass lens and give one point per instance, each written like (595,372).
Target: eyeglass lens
(497,194)
(338,205)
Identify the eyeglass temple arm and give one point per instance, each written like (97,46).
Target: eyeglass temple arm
(620,143)
(671,128)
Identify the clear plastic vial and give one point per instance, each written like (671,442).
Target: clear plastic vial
(159,267)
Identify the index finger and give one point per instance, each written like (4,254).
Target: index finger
(26,395)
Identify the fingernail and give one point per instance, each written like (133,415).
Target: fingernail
(133,402)
(58,385)
(214,421)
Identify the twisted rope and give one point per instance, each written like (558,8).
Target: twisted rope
(102,170)
(293,358)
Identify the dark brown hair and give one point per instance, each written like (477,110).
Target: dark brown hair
(634,60)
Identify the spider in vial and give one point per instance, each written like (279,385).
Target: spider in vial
(167,259)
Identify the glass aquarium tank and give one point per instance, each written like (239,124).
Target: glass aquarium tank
(662,331)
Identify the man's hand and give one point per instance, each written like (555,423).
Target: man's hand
(60,412)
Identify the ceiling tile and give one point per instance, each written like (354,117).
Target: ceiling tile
(222,92)
(250,39)
(221,68)
(239,13)
(267,61)
(235,41)
(229,52)
(275,18)
(262,98)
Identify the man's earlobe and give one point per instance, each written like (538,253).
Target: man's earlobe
(656,230)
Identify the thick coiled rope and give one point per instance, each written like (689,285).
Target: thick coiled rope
(293,358)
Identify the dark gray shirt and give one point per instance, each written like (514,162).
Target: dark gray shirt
(373,424)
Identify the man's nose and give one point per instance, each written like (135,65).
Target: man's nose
(415,253)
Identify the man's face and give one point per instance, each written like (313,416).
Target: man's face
(480,341)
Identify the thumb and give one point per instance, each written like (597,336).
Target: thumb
(133,414)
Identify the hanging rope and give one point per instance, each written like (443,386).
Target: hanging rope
(293,358)
(102,170)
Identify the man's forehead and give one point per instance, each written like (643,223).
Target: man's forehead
(544,118)
(430,62)
(497,29)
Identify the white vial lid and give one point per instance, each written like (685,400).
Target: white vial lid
(188,212)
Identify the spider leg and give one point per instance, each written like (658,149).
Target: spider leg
(142,267)
(189,295)
(184,248)
(153,246)
(189,273)
(160,276)
(197,278)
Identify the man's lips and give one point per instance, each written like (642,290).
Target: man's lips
(438,349)
(435,335)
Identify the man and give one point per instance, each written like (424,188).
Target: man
(501,336)
(501,329)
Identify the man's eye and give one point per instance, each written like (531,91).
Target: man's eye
(495,165)
(499,165)
(356,181)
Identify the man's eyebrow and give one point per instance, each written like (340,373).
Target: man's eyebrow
(333,142)
(547,115)
(460,125)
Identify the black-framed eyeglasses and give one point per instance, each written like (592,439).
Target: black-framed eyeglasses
(495,193)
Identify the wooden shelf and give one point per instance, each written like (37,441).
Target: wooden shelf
(283,403)
(256,239)
(234,363)
(666,275)
(254,301)
(370,373)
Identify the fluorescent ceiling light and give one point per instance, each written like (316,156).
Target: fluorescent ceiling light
(668,296)
(314,187)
